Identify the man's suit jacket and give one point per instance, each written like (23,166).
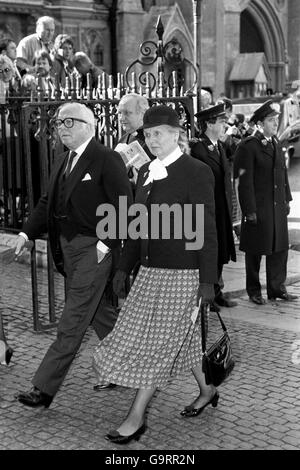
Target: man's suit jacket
(98,177)
(205,151)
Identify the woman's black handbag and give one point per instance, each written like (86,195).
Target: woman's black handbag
(217,361)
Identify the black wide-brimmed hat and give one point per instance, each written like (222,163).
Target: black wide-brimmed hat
(212,112)
(160,115)
(268,108)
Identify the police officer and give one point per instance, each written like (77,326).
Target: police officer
(264,196)
(210,150)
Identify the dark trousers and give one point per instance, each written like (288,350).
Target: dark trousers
(276,270)
(85,305)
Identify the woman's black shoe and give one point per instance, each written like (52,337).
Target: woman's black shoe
(190,411)
(116,437)
(6,357)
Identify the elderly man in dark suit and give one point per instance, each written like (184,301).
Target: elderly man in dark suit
(264,196)
(84,178)
(131,110)
(209,150)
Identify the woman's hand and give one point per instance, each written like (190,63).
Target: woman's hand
(119,283)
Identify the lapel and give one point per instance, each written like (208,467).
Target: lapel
(212,152)
(78,171)
(223,158)
(277,153)
(266,146)
(56,173)
(143,192)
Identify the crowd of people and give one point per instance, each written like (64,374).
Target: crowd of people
(155,336)
(45,61)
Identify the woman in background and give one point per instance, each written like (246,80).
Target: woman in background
(62,58)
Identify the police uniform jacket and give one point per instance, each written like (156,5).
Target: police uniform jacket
(188,182)
(204,150)
(263,189)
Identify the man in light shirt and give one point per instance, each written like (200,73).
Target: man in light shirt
(38,41)
(85,177)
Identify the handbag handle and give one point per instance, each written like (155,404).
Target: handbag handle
(204,314)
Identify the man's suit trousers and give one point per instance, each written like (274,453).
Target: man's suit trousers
(276,271)
(85,305)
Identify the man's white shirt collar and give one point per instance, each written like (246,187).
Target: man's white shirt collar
(82,147)
(79,151)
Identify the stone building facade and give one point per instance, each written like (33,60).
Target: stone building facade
(111,31)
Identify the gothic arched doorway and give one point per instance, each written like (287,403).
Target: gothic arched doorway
(260,31)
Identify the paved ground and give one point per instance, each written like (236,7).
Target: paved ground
(259,405)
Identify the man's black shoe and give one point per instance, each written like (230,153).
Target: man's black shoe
(257,299)
(223,302)
(35,398)
(284,296)
(100,387)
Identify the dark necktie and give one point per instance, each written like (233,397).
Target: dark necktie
(69,165)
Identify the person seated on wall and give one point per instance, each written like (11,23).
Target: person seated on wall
(62,56)
(84,65)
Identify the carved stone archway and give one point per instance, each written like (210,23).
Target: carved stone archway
(270,30)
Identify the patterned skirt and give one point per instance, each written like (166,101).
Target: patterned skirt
(154,337)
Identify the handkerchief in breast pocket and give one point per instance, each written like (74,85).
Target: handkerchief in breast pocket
(86,177)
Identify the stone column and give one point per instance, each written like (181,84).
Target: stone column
(130,27)
(227,41)
(294,39)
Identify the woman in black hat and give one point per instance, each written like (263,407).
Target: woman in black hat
(155,337)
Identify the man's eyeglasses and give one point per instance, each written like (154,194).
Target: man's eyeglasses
(68,122)
(4,70)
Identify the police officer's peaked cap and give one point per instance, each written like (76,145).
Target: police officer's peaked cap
(212,112)
(160,115)
(268,108)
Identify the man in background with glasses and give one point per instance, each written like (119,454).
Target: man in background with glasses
(86,176)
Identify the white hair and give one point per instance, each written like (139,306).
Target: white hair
(142,103)
(81,110)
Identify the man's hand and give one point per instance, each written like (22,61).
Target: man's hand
(206,292)
(288,209)
(119,283)
(251,219)
(20,246)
